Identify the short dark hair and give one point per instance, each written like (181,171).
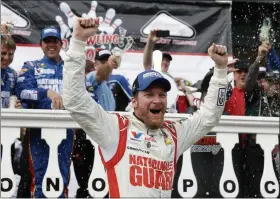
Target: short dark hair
(167,55)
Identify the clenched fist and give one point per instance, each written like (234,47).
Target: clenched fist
(219,55)
(84,28)
(114,61)
(152,36)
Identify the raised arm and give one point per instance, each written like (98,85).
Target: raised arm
(105,68)
(101,126)
(195,127)
(252,76)
(148,51)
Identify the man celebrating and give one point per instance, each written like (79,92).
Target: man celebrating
(139,152)
(39,86)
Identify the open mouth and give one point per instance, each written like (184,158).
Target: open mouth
(155,111)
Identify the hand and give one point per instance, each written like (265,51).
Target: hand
(84,28)
(6,28)
(114,61)
(152,36)
(56,99)
(263,49)
(181,87)
(18,105)
(219,55)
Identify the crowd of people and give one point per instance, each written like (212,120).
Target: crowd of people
(39,85)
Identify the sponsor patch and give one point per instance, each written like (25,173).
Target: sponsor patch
(29,94)
(39,71)
(150,139)
(137,149)
(221,97)
(137,136)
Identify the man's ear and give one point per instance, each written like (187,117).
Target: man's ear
(134,102)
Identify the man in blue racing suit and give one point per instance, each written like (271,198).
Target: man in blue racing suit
(39,86)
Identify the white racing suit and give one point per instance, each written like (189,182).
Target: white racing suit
(140,162)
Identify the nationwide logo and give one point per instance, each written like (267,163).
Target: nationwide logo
(181,32)
(110,35)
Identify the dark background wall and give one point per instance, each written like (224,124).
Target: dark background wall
(247,17)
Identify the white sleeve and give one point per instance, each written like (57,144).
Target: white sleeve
(191,129)
(101,126)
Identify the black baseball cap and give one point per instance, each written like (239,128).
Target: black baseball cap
(242,65)
(147,78)
(102,55)
(167,55)
(262,72)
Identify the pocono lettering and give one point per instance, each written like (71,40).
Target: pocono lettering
(150,173)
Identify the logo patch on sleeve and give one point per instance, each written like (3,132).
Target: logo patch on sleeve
(221,97)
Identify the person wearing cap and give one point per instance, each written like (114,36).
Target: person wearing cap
(148,53)
(258,86)
(236,103)
(139,148)
(96,81)
(262,99)
(39,86)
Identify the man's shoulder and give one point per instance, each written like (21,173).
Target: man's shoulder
(90,77)
(117,78)
(11,71)
(34,63)
(91,74)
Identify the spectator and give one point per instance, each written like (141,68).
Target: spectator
(148,53)
(39,86)
(260,93)
(166,59)
(8,83)
(262,99)
(96,82)
(236,103)
(8,75)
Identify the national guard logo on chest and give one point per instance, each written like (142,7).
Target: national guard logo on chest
(150,173)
